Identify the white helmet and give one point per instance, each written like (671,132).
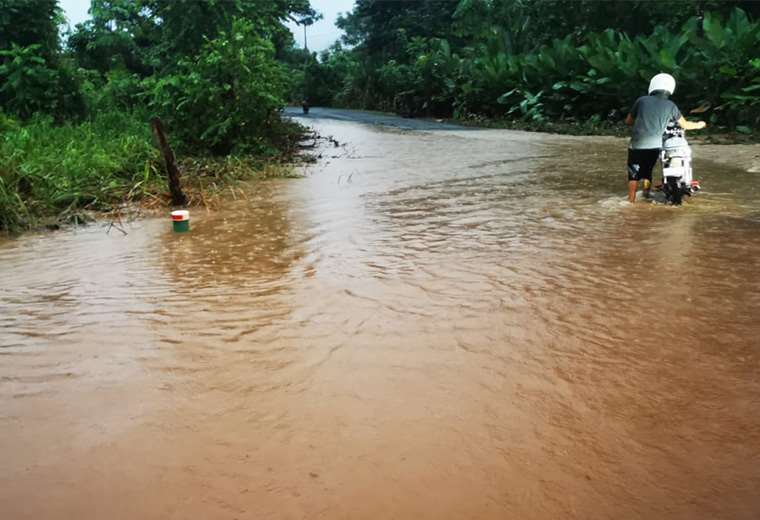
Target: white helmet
(664,82)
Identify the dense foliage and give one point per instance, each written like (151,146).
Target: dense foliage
(226,96)
(209,69)
(74,121)
(34,76)
(544,60)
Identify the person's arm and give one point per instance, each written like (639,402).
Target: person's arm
(689,125)
(631,117)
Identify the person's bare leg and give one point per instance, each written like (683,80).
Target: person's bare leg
(632,185)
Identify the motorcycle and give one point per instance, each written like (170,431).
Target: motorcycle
(677,180)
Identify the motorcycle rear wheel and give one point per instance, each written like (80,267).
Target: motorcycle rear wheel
(673,191)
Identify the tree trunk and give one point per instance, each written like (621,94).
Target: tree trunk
(175,188)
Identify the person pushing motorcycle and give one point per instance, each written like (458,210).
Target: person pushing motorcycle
(648,118)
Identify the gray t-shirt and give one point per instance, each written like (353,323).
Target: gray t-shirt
(651,115)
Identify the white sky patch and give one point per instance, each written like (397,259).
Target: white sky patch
(323,33)
(75,10)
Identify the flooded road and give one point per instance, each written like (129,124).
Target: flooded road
(433,323)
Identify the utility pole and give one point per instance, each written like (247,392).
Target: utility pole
(305,68)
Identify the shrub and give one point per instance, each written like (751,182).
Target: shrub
(31,84)
(224,99)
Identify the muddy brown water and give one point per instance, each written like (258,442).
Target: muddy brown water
(431,324)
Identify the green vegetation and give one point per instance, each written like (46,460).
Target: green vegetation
(51,169)
(215,99)
(74,130)
(540,62)
(34,75)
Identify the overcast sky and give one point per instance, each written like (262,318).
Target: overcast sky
(319,36)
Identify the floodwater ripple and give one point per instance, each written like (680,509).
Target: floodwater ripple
(447,324)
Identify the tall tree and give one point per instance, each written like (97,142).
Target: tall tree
(382,27)
(30,22)
(33,77)
(150,35)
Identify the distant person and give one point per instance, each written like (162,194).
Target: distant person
(305,106)
(649,116)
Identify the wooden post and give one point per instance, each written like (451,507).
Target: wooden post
(175,188)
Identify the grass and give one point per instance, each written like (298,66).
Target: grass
(52,174)
(49,170)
